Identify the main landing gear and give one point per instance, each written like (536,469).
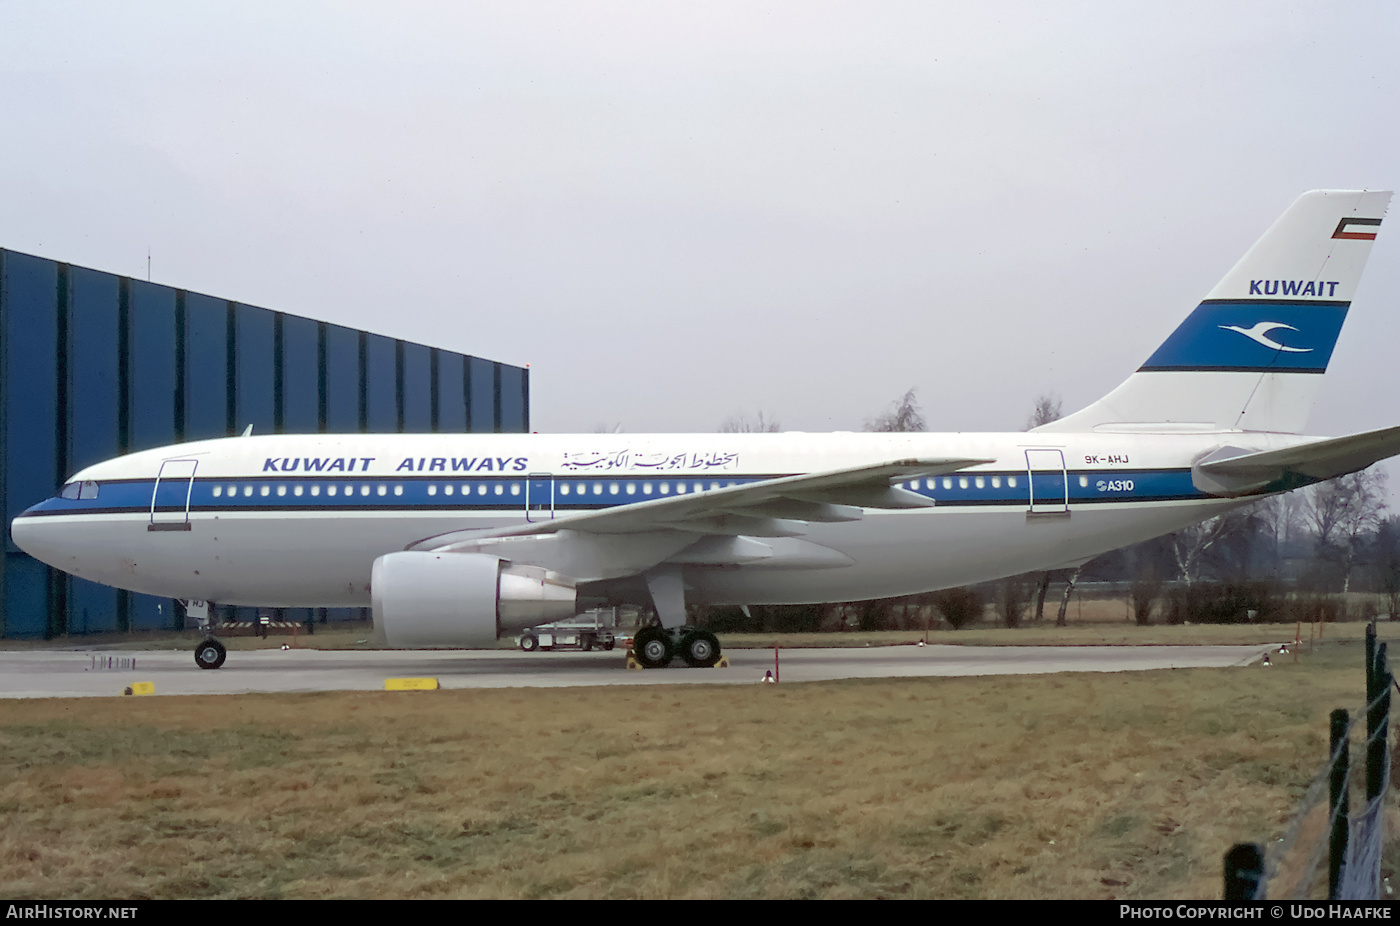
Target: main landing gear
(655,647)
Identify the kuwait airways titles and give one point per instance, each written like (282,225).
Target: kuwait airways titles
(409,464)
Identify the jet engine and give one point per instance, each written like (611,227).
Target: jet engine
(425,599)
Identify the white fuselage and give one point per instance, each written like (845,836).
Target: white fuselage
(298,521)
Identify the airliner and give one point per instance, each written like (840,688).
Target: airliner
(456,539)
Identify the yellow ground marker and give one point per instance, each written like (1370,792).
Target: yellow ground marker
(410,684)
(140,688)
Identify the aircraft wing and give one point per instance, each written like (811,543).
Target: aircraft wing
(775,507)
(1231,471)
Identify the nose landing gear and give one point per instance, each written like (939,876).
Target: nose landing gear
(210,654)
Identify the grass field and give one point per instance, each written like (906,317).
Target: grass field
(1127,785)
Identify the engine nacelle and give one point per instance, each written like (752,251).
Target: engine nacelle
(424,600)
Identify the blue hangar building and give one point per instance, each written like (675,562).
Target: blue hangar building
(95,365)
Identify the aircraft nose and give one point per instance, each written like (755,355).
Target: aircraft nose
(32,534)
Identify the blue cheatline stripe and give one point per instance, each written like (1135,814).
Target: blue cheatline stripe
(1268,335)
(508,495)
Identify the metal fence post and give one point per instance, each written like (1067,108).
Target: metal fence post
(1375,715)
(1339,803)
(1244,868)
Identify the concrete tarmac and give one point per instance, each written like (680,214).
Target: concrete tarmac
(74,673)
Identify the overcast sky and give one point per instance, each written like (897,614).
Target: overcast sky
(678,212)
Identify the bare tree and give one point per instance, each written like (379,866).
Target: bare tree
(1387,557)
(1071,580)
(1193,546)
(904,415)
(1046,410)
(743,424)
(1279,519)
(1342,512)
(1012,595)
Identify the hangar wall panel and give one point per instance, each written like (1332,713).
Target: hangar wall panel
(94,368)
(381,385)
(451,393)
(514,399)
(481,395)
(29,331)
(91,608)
(300,350)
(343,380)
(93,365)
(416,374)
(254,398)
(206,367)
(155,393)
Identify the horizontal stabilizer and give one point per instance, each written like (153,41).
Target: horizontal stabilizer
(1231,472)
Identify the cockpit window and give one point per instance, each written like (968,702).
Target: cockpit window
(69,491)
(85,489)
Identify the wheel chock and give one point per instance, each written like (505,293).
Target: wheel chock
(411,684)
(722,664)
(140,688)
(632,662)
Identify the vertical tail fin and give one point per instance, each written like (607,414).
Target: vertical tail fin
(1251,355)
